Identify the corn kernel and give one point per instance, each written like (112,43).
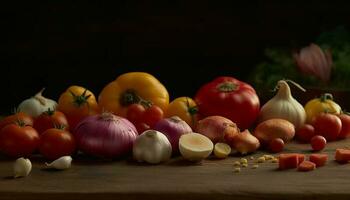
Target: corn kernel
(261,159)
(237,170)
(268,157)
(237,164)
(251,158)
(244,165)
(243,160)
(275,160)
(255,166)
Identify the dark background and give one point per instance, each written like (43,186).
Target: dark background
(183,43)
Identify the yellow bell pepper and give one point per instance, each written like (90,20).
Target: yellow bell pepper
(318,105)
(133,87)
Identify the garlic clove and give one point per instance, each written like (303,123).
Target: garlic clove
(61,163)
(22,167)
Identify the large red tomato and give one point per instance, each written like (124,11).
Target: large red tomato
(327,125)
(345,130)
(55,143)
(17,140)
(230,98)
(50,119)
(15,118)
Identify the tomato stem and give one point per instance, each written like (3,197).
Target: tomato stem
(130,97)
(79,100)
(227,87)
(326,96)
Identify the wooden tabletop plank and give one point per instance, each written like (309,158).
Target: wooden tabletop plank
(178,179)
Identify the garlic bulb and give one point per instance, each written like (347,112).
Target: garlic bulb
(37,104)
(284,106)
(152,147)
(22,167)
(63,162)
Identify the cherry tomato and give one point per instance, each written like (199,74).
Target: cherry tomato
(135,112)
(50,119)
(21,116)
(345,130)
(305,133)
(17,140)
(327,125)
(55,143)
(141,127)
(276,145)
(153,115)
(318,142)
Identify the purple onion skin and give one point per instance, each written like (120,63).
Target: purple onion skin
(101,137)
(173,128)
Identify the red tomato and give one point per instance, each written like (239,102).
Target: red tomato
(143,118)
(318,143)
(345,130)
(276,145)
(18,140)
(21,116)
(153,115)
(327,125)
(50,119)
(55,143)
(135,112)
(230,98)
(305,133)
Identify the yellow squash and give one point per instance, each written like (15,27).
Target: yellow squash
(133,87)
(318,105)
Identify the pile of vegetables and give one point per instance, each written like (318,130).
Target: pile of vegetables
(133,115)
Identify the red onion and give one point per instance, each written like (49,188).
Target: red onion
(217,129)
(173,128)
(105,135)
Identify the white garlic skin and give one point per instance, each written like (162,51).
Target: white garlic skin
(152,147)
(61,163)
(36,105)
(22,167)
(284,106)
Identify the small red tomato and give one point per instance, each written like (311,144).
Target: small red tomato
(345,130)
(21,116)
(141,127)
(305,133)
(17,140)
(55,143)
(276,145)
(327,125)
(318,143)
(50,119)
(153,115)
(135,112)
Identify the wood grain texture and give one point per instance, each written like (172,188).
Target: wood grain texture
(178,179)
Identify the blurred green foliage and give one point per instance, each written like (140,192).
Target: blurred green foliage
(279,64)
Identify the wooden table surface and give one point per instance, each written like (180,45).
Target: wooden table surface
(178,179)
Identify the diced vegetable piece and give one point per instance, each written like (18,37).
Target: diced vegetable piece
(290,160)
(319,159)
(306,166)
(342,155)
